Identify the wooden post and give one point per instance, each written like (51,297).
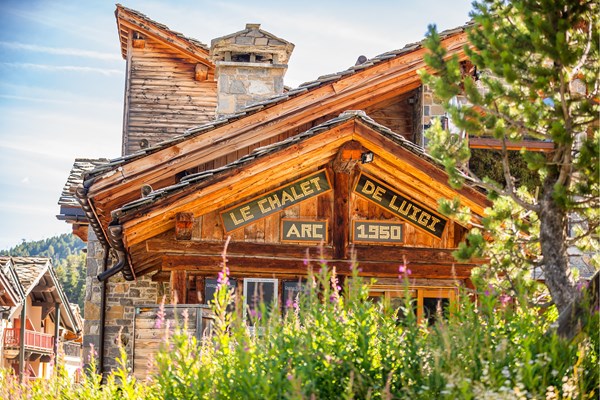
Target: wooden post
(179,286)
(341,215)
(56,331)
(22,341)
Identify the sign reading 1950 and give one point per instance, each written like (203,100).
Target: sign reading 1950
(275,201)
(394,202)
(377,232)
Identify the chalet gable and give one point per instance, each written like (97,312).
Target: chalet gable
(216,143)
(331,152)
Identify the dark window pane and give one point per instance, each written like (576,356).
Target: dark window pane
(210,287)
(434,307)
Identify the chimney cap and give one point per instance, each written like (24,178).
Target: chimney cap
(252,26)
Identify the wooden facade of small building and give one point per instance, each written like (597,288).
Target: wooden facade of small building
(331,171)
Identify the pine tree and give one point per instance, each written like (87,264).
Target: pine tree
(533,74)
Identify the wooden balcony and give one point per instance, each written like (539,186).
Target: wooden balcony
(496,144)
(34,341)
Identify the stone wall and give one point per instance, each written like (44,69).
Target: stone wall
(432,109)
(240,84)
(121,298)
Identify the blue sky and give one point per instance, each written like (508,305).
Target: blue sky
(62,76)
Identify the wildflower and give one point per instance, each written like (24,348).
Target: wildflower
(504,299)
(404,271)
(160,315)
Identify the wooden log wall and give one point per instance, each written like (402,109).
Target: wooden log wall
(150,330)
(163,98)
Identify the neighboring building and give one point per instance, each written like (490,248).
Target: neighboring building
(215,146)
(33,306)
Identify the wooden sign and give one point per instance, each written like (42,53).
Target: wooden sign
(275,201)
(377,232)
(297,230)
(397,204)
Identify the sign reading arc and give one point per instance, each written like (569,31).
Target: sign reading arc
(394,202)
(275,201)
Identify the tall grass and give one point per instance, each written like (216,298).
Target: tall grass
(332,342)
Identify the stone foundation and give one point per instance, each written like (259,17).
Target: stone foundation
(121,298)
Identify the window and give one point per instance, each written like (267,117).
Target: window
(257,291)
(428,302)
(210,287)
(291,290)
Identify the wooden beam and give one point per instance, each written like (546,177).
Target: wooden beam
(248,266)
(201,247)
(178,286)
(496,144)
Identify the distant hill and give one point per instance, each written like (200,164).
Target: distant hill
(67,257)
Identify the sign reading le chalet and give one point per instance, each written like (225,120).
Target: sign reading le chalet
(394,202)
(275,201)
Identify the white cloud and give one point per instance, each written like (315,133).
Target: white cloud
(60,51)
(63,68)
(25,180)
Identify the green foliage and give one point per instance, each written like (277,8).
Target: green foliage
(57,248)
(535,77)
(335,343)
(68,260)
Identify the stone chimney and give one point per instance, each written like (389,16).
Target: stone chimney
(250,66)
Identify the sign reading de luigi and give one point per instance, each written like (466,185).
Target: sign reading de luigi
(272,202)
(414,213)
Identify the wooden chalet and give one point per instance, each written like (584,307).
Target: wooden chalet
(214,146)
(37,322)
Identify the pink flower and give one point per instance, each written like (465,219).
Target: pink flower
(504,299)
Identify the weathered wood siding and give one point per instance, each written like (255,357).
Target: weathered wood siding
(150,330)
(163,99)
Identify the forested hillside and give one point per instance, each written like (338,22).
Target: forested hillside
(67,257)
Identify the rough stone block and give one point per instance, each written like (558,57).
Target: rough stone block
(261,41)
(237,87)
(125,302)
(114,312)
(260,88)
(226,104)
(91,311)
(244,40)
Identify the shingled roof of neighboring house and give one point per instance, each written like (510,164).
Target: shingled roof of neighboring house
(9,281)
(261,105)
(80,165)
(30,271)
(193,45)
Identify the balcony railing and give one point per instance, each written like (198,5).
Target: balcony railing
(33,340)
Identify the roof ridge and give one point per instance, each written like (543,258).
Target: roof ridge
(159,25)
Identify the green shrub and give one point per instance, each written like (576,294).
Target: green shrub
(335,343)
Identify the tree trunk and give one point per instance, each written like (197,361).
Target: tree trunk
(553,242)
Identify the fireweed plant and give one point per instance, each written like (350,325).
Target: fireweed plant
(333,342)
